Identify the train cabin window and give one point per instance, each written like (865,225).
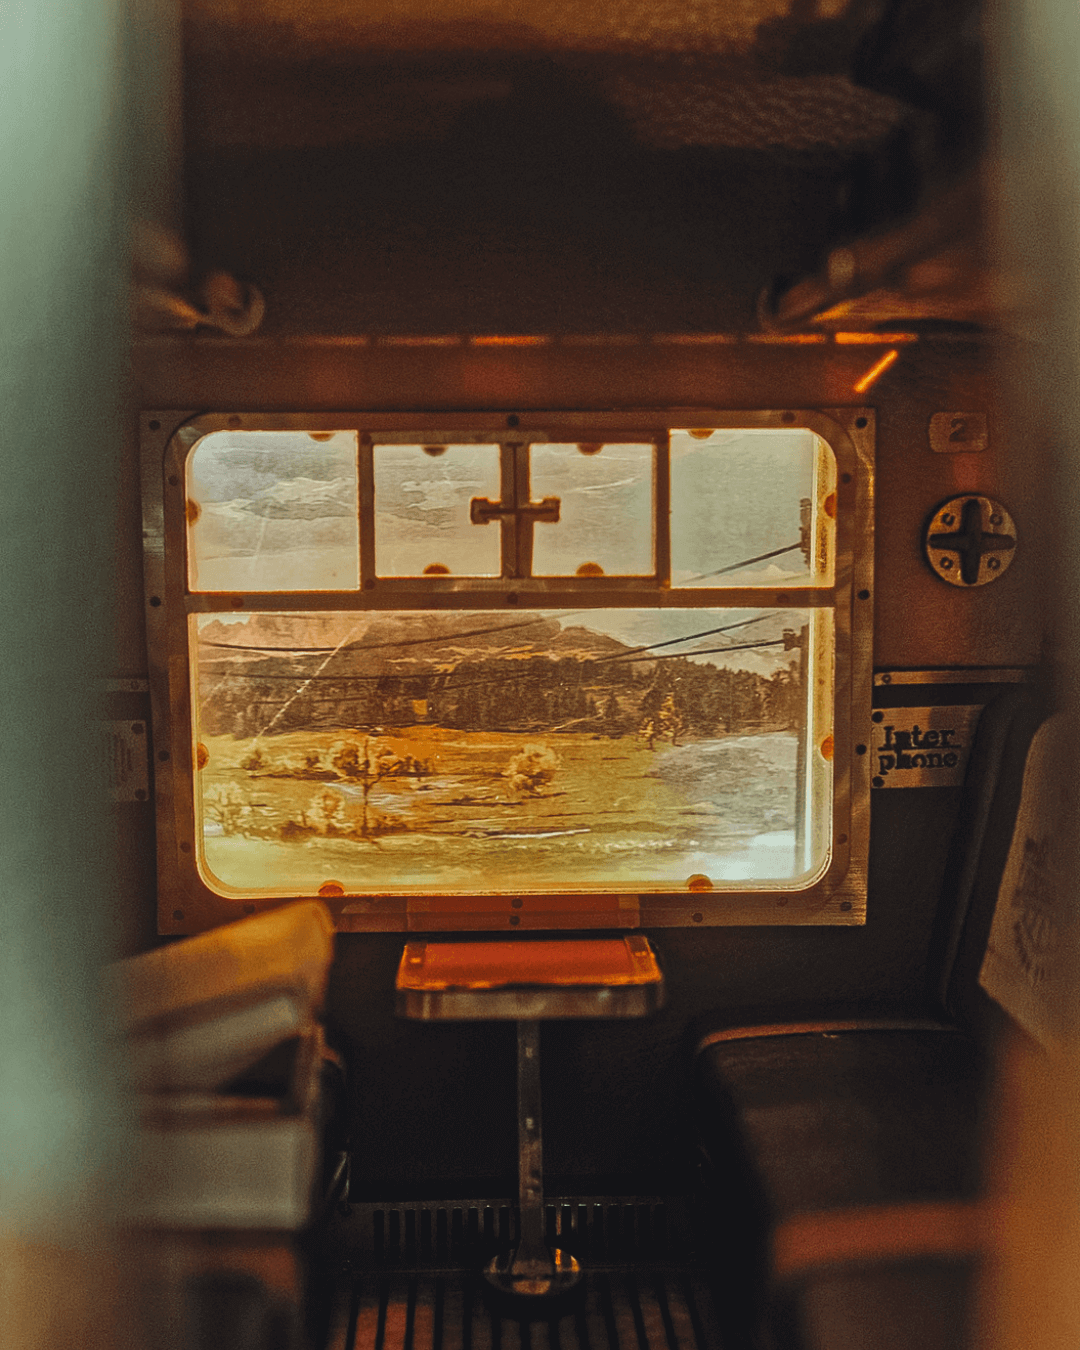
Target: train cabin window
(527,672)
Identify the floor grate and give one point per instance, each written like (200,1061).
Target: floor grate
(617,1310)
(464,1234)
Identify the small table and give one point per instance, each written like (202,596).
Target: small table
(530,981)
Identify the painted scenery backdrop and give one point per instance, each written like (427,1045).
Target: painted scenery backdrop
(472,751)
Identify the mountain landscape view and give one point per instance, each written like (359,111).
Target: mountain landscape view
(479,751)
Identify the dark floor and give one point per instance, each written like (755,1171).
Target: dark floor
(409,1279)
(664,1309)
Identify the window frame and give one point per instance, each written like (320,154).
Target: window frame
(187,905)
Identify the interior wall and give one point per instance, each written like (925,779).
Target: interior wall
(432,1106)
(378,197)
(608,25)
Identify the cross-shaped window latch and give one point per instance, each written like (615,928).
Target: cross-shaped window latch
(982,553)
(515,512)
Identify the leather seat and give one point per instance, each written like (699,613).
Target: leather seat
(841,1164)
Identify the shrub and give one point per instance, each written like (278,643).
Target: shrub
(531,769)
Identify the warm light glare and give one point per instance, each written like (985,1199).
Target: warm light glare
(409,340)
(879,368)
(874,339)
(788,339)
(694,339)
(496,340)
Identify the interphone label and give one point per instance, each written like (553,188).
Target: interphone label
(922,747)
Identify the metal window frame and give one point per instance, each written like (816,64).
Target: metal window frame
(187,905)
(515,474)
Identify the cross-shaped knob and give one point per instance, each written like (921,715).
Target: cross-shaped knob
(970,541)
(482,511)
(515,511)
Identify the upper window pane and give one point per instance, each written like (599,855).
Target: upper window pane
(273,511)
(422,524)
(605,524)
(751,508)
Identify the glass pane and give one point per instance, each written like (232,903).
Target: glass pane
(422,496)
(605,524)
(273,511)
(751,508)
(476,752)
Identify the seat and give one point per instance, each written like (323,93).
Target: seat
(842,1168)
(842,1157)
(238,1099)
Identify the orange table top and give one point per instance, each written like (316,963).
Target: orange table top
(564,963)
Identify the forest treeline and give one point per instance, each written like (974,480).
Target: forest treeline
(674,698)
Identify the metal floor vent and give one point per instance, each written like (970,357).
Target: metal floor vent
(630,1310)
(463,1234)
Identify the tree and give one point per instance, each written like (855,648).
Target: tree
(612,716)
(671,721)
(229,807)
(305,764)
(658,723)
(327,812)
(532,768)
(345,757)
(366,766)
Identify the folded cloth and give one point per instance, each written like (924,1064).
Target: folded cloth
(198,1012)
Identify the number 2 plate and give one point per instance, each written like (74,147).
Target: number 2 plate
(955,432)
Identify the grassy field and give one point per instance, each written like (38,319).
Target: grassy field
(600,813)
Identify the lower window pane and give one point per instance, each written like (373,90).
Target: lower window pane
(473,752)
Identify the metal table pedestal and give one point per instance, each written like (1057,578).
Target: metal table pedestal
(529,981)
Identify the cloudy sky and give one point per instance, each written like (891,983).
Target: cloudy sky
(278,510)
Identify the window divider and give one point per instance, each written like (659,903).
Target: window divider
(365,472)
(662,511)
(530,593)
(516,551)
